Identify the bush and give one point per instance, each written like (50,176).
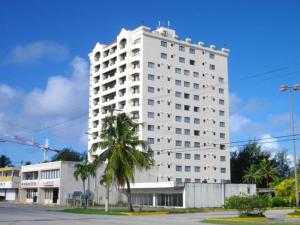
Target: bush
(279,202)
(253,205)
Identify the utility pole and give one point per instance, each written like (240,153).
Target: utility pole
(291,90)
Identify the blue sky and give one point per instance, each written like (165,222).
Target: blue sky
(44,65)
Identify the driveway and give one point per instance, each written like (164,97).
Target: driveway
(12,214)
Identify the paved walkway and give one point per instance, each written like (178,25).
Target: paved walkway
(11,214)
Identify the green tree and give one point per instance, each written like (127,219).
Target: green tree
(84,170)
(268,170)
(286,190)
(123,151)
(253,175)
(282,163)
(243,158)
(68,154)
(5,161)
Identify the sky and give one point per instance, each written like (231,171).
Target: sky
(44,67)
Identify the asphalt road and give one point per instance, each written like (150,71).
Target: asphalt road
(11,214)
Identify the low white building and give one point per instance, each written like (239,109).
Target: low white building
(48,183)
(9,183)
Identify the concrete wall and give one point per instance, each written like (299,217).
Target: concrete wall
(198,195)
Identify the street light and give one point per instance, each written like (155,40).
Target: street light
(292,89)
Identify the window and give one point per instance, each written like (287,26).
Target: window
(221,113)
(150,127)
(187,96)
(197,169)
(192,51)
(187,132)
(197,156)
(177,106)
(181,60)
(178,70)
(212,67)
(221,80)
(186,84)
(222,135)
(196,109)
(151,77)
(187,168)
(150,141)
(187,156)
(222,124)
(50,174)
(186,107)
(163,44)
(197,144)
(222,158)
(181,48)
(196,74)
(178,168)
(196,121)
(177,94)
(197,180)
(151,65)
(178,155)
(196,132)
(222,147)
(196,97)
(187,119)
(221,101)
(211,56)
(187,144)
(150,102)
(151,89)
(196,86)
(163,55)
(178,82)
(223,170)
(186,72)
(178,180)
(192,62)
(178,118)
(221,91)
(187,180)
(151,114)
(178,143)
(178,130)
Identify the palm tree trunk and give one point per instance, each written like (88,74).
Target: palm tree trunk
(83,183)
(130,208)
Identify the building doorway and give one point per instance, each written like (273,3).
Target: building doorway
(55,195)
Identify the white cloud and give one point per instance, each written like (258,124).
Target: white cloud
(64,98)
(234,103)
(268,143)
(238,122)
(34,51)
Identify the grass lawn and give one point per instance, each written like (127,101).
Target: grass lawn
(92,211)
(212,221)
(295,214)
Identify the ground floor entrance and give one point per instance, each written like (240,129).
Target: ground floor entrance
(51,195)
(8,194)
(158,199)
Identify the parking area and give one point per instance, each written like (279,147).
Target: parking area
(12,214)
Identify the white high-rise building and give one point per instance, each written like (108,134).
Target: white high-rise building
(178,89)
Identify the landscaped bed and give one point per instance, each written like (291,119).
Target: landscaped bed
(245,221)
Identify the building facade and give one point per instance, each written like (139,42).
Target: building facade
(178,90)
(9,183)
(48,183)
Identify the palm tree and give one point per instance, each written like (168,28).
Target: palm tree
(268,170)
(84,170)
(123,151)
(253,175)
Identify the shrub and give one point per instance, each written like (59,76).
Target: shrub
(279,202)
(253,205)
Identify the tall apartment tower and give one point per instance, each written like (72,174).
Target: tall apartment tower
(178,89)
